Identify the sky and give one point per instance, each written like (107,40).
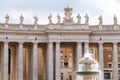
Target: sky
(42,8)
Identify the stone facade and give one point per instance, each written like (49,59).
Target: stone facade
(53,51)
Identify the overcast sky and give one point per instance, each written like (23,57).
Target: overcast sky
(42,8)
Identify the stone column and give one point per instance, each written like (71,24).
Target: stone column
(35,62)
(78,57)
(5,61)
(78,53)
(58,63)
(86,47)
(1,59)
(50,61)
(101,58)
(20,61)
(115,61)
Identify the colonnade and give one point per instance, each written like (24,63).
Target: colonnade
(49,66)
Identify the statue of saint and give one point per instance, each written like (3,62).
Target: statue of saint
(35,20)
(21,19)
(7,18)
(50,19)
(86,19)
(100,20)
(79,18)
(115,20)
(58,18)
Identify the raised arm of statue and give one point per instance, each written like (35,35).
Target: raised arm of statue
(21,19)
(7,18)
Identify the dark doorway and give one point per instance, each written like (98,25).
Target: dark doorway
(9,62)
(70,77)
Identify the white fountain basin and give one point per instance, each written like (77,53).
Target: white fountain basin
(87,60)
(89,68)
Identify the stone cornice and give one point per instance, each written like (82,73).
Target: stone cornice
(106,32)
(10,31)
(83,32)
(61,26)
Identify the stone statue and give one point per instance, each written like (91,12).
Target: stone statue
(21,19)
(68,19)
(100,20)
(79,18)
(68,13)
(115,20)
(58,19)
(7,18)
(35,20)
(50,19)
(86,19)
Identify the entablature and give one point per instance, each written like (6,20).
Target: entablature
(73,32)
(105,32)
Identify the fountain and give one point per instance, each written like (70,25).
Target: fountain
(89,68)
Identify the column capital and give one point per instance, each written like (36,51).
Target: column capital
(58,42)
(79,42)
(115,42)
(35,42)
(6,42)
(100,42)
(49,42)
(20,42)
(86,42)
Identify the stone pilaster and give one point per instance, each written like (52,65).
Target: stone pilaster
(86,47)
(101,59)
(20,61)
(58,68)
(50,61)
(5,61)
(35,62)
(115,61)
(78,57)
